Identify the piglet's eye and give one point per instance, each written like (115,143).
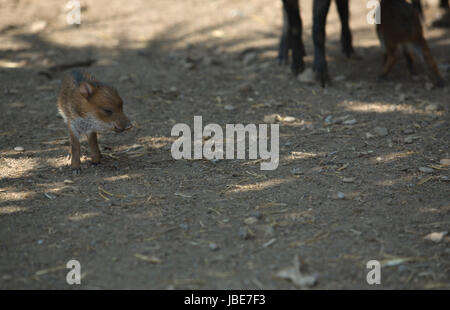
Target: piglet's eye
(107,111)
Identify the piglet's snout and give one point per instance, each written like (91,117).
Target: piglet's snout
(122,125)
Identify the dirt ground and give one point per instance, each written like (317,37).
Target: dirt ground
(354,182)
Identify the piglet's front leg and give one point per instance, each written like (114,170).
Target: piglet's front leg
(75,154)
(93,147)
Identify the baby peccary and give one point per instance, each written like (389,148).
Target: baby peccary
(400,27)
(89,106)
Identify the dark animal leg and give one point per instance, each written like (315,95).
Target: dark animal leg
(409,61)
(431,63)
(320,11)
(292,36)
(390,60)
(418,5)
(346,35)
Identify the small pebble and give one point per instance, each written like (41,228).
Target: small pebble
(289,119)
(433,107)
(124,78)
(250,220)
(244,233)
(297,171)
(349,122)
(6,277)
(256,214)
(213,246)
(380,131)
(426,170)
(340,195)
(19,149)
(409,140)
(228,107)
(408,131)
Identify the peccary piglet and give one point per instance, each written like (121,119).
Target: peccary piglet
(89,106)
(399,30)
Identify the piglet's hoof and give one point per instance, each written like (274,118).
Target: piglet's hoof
(382,78)
(440,83)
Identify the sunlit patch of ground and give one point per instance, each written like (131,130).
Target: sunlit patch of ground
(11,209)
(379,107)
(14,195)
(393,157)
(399,181)
(82,216)
(260,185)
(16,167)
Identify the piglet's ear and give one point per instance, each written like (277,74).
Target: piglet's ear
(86,89)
